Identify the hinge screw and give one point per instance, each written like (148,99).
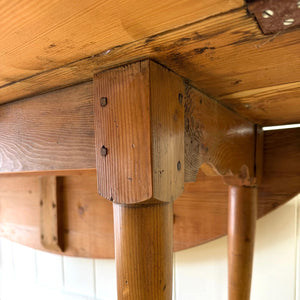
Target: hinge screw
(288,22)
(267,13)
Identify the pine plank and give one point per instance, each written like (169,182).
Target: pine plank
(217,140)
(51,213)
(266,104)
(48,132)
(122,129)
(36,37)
(222,55)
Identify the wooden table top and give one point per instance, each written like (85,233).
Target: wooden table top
(217,45)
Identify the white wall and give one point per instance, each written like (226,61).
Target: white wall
(200,272)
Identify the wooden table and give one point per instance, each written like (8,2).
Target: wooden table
(159,108)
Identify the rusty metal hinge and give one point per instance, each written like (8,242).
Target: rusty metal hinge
(275,15)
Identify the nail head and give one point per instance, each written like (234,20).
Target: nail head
(103,151)
(267,13)
(179,165)
(103,101)
(180,98)
(288,21)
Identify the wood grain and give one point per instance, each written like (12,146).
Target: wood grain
(139,134)
(281,169)
(217,138)
(88,218)
(259,154)
(211,53)
(48,132)
(123,128)
(36,37)
(242,211)
(141,129)
(207,196)
(274,100)
(54,132)
(167,133)
(87,222)
(51,214)
(144,250)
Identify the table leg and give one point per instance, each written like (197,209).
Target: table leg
(144,250)
(241,234)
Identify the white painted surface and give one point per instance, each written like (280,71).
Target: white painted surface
(48,265)
(6,260)
(79,275)
(275,255)
(24,264)
(106,283)
(200,272)
(6,268)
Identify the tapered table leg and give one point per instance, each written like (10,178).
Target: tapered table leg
(139,138)
(241,234)
(144,250)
